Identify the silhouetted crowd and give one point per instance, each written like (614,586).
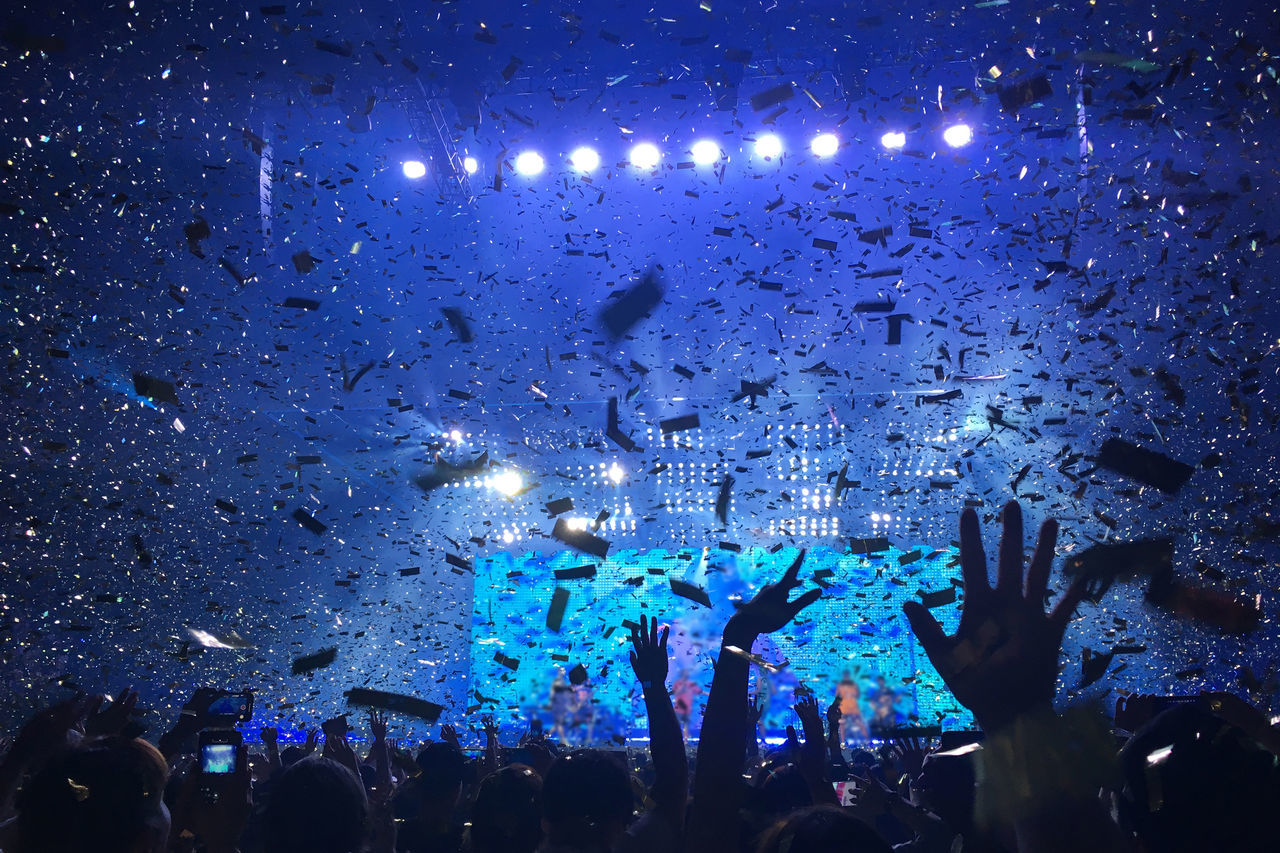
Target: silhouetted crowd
(1165,774)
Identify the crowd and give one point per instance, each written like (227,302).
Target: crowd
(1198,775)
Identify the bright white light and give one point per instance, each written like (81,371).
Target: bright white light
(470,164)
(824,144)
(585,159)
(958,135)
(705,152)
(616,473)
(456,435)
(894,139)
(507,482)
(414,169)
(645,156)
(530,163)
(768,146)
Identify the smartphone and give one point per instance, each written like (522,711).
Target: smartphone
(218,749)
(227,706)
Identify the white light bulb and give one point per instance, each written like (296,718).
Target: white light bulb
(530,163)
(705,152)
(958,135)
(825,144)
(584,159)
(414,169)
(768,146)
(894,140)
(645,156)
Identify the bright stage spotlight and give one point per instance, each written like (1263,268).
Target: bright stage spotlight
(507,482)
(768,146)
(414,169)
(471,165)
(584,159)
(894,140)
(530,163)
(825,144)
(958,135)
(705,152)
(645,156)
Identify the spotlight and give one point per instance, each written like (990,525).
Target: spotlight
(507,482)
(616,473)
(470,164)
(958,135)
(768,146)
(705,152)
(529,163)
(645,156)
(585,159)
(414,169)
(824,144)
(894,140)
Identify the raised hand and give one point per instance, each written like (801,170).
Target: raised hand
(338,748)
(1002,661)
(649,652)
(47,731)
(449,735)
(490,726)
(770,610)
(313,737)
(378,725)
(812,753)
(109,718)
(270,736)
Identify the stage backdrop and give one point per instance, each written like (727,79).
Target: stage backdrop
(550,635)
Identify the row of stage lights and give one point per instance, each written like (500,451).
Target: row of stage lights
(705,152)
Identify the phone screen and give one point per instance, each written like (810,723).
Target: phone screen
(218,758)
(231,705)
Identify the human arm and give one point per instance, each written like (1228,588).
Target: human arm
(271,748)
(812,757)
(717,783)
(753,728)
(378,749)
(492,746)
(649,661)
(835,750)
(1002,664)
(42,736)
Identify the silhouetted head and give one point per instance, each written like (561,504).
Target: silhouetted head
(442,765)
(1195,782)
(316,806)
(821,829)
(105,795)
(586,801)
(507,815)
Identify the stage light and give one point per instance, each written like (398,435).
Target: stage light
(894,140)
(414,169)
(705,152)
(507,482)
(470,164)
(768,146)
(529,163)
(645,156)
(824,144)
(958,135)
(616,473)
(585,159)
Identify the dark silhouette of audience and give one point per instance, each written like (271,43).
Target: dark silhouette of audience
(1198,774)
